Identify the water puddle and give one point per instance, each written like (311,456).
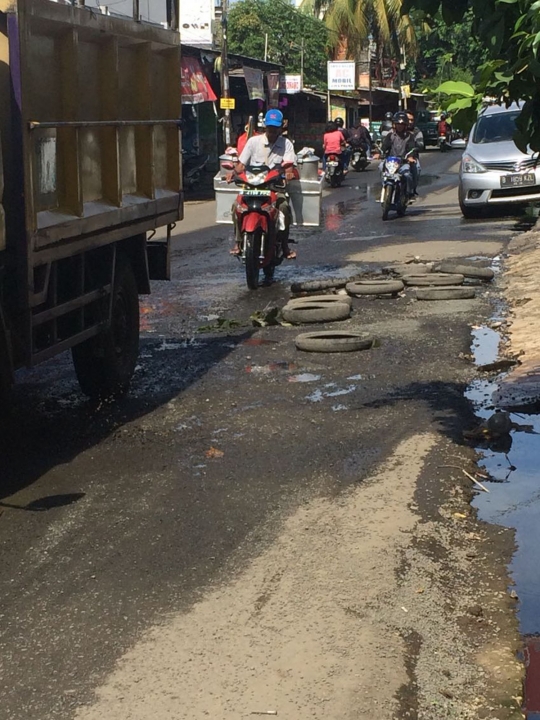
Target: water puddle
(510,465)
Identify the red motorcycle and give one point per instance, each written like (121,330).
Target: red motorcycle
(257,221)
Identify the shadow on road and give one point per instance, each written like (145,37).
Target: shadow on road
(51,421)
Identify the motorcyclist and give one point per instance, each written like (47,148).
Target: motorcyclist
(360,137)
(387,124)
(420,145)
(271,149)
(443,128)
(333,142)
(399,143)
(340,123)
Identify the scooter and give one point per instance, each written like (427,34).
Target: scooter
(394,195)
(359,159)
(443,143)
(258,221)
(192,167)
(334,170)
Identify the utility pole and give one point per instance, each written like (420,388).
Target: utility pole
(302,64)
(225,85)
(265,47)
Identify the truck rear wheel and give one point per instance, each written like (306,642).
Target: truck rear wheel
(105,364)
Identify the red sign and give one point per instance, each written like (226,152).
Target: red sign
(195,86)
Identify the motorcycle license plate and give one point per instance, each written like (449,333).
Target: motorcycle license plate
(333,163)
(518,180)
(262,193)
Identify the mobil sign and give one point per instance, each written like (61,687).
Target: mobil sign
(341,75)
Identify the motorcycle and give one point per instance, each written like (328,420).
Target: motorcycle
(192,167)
(443,143)
(394,195)
(258,220)
(359,158)
(334,170)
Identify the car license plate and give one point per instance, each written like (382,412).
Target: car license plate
(518,180)
(263,193)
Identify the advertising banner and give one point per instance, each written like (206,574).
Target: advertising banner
(341,75)
(196,22)
(255,83)
(291,84)
(273,82)
(195,86)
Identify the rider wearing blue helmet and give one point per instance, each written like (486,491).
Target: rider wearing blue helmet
(271,149)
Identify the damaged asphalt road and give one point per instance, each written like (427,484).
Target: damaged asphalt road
(256,528)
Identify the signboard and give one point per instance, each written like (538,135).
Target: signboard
(406,91)
(227,103)
(196,22)
(290,84)
(273,83)
(255,83)
(341,75)
(195,86)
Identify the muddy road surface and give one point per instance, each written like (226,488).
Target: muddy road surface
(258,529)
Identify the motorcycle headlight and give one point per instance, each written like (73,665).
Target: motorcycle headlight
(255,179)
(470,165)
(392,167)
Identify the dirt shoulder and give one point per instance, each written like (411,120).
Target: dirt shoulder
(521,387)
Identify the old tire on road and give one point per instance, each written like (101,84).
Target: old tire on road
(316,313)
(105,364)
(324,299)
(375,287)
(332,341)
(468,271)
(446,293)
(318,285)
(411,269)
(433,279)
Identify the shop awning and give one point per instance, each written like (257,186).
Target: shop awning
(195,86)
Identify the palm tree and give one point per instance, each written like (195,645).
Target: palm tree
(352,22)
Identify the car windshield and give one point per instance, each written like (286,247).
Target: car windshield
(495,128)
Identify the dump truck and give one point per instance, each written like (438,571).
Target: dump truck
(91,168)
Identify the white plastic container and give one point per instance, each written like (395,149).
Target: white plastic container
(305,200)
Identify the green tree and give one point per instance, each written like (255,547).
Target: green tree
(509,30)
(446,52)
(286,29)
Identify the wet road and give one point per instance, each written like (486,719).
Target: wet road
(115,517)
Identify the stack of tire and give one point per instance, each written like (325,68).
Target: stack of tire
(446,282)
